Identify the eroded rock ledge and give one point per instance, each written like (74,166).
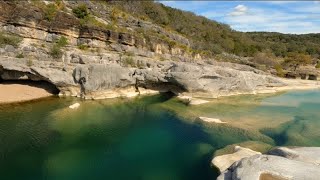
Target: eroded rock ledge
(198,80)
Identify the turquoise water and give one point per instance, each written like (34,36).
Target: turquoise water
(148,137)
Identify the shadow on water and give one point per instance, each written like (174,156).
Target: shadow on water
(301,131)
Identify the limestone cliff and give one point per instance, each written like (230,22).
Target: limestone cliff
(97,60)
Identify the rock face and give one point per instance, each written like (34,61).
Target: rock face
(225,161)
(214,80)
(19,69)
(101,77)
(280,163)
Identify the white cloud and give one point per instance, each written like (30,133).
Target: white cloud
(281,2)
(278,16)
(274,20)
(239,10)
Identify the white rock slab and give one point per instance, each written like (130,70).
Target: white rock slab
(211,120)
(225,161)
(74,106)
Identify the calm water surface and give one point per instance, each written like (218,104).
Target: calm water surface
(146,138)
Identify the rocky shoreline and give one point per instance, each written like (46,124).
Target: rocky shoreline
(280,163)
(197,81)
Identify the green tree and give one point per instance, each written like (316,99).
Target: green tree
(295,59)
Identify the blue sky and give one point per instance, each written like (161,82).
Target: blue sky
(297,17)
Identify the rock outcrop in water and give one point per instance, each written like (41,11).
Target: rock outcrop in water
(280,163)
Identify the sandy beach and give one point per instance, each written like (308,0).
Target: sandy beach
(18,92)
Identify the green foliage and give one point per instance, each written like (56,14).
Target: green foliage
(83,47)
(204,35)
(318,65)
(279,70)
(81,11)
(117,13)
(93,22)
(62,42)
(128,61)
(56,51)
(38,3)
(295,59)
(214,37)
(20,55)
(50,11)
(29,62)
(9,39)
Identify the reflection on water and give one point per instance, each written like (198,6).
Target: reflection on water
(146,138)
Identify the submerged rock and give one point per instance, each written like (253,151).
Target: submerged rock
(211,120)
(191,101)
(196,101)
(74,106)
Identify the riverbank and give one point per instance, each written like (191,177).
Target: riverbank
(11,92)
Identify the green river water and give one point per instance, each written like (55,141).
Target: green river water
(147,138)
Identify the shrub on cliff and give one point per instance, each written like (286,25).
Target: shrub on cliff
(128,62)
(8,39)
(62,42)
(50,11)
(83,47)
(55,50)
(81,11)
(20,55)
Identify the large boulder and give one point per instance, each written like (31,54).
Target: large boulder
(280,163)
(225,161)
(97,77)
(261,167)
(214,81)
